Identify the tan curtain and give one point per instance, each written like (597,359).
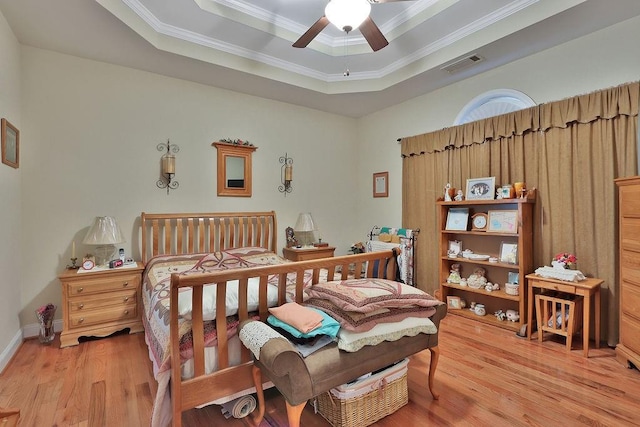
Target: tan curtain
(570,150)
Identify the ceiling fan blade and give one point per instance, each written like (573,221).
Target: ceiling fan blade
(373,35)
(312,32)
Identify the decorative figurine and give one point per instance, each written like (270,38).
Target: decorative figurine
(513,315)
(447,192)
(477,279)
(500,315)
(459,196)
(454,276)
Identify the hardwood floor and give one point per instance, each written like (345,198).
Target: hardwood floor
(486,377)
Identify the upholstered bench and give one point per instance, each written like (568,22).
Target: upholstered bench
(299,379)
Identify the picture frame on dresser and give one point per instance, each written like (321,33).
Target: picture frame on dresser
(481,188)
(502,221)
(453,303)
(457,219)
(508,253)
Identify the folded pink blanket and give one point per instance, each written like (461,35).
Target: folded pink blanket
(302,318)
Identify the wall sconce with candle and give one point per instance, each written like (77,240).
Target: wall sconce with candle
(286,174)
(168,166)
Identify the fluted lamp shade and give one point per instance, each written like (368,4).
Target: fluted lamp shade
(305,226)
(104,234)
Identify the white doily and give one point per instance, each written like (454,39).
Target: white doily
(560,274)
(256,334)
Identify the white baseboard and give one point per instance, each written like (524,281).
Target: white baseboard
(33,329)
(10,350)
(28,331)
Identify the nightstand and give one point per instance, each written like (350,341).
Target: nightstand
(100,302)
(303,254)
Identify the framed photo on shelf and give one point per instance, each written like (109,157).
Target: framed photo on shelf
(453,303)
(509,253)
(455,248)
(481,188)
(504,221)
(10,144)
(457,219)
(381,184)
(513,277)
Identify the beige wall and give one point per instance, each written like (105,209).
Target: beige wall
(10,199)
(91,150)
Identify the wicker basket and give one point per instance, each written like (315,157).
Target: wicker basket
(389,395)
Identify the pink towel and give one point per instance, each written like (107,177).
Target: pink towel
(302,318)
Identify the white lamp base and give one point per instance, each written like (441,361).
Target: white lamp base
(104,254)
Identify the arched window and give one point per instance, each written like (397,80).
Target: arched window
(493,103)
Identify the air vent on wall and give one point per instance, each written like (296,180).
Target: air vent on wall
(462,63)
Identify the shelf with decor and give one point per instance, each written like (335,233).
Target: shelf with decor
(493,235)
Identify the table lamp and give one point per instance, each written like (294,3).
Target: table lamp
(104,234)
(305,226)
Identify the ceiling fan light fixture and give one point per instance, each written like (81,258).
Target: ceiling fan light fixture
(347,13)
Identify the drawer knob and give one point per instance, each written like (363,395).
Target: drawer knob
(81,320)
(80,305)
(126,299)
(125,284)
(80,290)
(126,312)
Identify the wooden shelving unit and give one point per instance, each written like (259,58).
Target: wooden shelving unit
(488,243)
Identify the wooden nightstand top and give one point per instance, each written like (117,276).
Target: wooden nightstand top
(303,254)
(79,273)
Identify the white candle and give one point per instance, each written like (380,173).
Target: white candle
(73,249)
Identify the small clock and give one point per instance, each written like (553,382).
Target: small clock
(479,222)
(88,264)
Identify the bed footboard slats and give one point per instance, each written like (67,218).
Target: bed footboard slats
(167,234)
(227,380)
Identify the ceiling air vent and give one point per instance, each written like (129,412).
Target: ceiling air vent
(462,63)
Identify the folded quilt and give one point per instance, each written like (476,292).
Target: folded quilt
(302,318)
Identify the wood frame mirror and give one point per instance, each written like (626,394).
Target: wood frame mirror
(234,169)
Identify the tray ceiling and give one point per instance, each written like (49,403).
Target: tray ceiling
(245,45)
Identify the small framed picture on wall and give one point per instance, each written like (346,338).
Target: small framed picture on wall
(10,144)
(381,184)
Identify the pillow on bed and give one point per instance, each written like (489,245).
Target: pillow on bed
(361,322)
(370,294)
(409,327)
(209,299)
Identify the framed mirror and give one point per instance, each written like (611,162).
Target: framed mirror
(234,169)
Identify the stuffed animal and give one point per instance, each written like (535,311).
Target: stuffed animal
(513,315)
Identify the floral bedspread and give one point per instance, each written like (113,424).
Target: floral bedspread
(156,296)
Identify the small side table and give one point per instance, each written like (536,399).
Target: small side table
(584,288)
(303,254)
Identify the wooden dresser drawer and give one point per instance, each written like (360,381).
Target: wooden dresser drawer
(630,299)
(99,317)
(631,333)
(91,302)
(570,289)
(103,284)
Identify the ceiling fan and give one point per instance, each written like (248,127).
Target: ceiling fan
(347,15)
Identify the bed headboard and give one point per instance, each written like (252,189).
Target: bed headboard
(187,233)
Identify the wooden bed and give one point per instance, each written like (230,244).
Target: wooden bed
(170,234)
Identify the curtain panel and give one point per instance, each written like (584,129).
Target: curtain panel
(570,150)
